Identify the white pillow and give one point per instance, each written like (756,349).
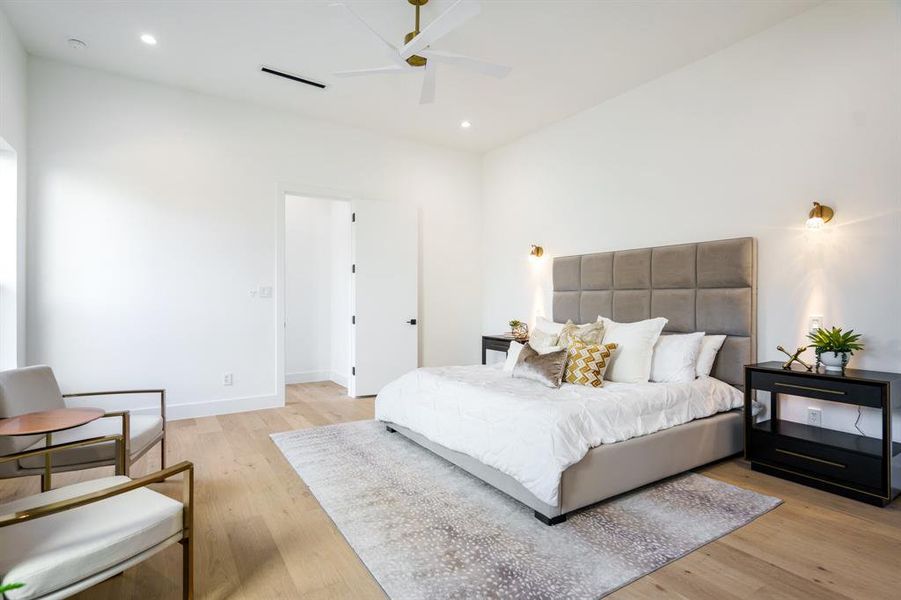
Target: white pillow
(631,363)
(513,355)
(542,324)
(676,358)
(540,339)
(709,348)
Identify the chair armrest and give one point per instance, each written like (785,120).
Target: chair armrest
(161,392)
(85,499)
(60,447)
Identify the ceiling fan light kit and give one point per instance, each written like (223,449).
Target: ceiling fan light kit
(416,52)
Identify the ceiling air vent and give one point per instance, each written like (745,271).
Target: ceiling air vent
(297,78)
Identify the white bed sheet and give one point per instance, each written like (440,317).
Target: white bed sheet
(533,433)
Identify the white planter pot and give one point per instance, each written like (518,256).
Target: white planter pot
(833,361)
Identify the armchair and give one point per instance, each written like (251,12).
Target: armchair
(66,540)
(31,389)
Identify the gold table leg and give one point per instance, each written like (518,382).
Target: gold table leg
(45,479)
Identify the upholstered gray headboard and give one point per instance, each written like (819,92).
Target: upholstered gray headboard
(708,286)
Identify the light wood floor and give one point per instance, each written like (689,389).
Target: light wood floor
(260,533)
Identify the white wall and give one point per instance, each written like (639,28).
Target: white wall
(13,155)
(308,293)
(737,144)
(153,213)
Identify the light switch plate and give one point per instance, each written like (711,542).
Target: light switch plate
(265,291)
(815,322)
(227,379)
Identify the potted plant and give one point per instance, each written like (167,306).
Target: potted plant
(834,347)
(518,329)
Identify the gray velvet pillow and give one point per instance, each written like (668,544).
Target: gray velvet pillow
(547,369)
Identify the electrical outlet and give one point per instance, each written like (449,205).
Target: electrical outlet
(814,416)
(815,322)
(227,379)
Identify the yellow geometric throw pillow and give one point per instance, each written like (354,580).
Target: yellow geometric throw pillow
(586,363)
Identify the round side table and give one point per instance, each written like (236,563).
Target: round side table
(47,423)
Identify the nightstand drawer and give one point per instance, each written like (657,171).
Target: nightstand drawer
(835,464)
(825,389)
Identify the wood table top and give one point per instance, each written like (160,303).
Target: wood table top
(48,421)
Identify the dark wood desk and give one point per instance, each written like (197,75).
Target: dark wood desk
(852,465)
(499,342)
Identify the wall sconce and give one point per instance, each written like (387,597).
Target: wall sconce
(536,251)
(819,215)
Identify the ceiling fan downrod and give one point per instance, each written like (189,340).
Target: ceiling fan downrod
(416,60)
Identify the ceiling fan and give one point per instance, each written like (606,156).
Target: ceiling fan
(415,54)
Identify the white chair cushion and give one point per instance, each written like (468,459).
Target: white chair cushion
(57,551)
(144,429)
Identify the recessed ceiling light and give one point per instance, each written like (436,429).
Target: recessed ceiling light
(148,39)
(465,124)
(76,44)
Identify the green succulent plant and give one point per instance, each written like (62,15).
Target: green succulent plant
(515,323)
(835,340)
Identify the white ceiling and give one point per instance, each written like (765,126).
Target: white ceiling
(566,55)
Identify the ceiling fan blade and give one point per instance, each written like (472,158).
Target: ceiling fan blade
(427,96)
(375,71)
(460,12)
(387,47)
(467,62)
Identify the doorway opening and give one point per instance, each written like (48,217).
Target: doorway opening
(317,287)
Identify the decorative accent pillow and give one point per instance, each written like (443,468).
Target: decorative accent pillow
(586,363)
(676,358)
(632,362)
(590,333)
(710,346)
(513,355)
(547,326)
(546,369)
(540,339)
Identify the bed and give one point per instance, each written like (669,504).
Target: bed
(561,450)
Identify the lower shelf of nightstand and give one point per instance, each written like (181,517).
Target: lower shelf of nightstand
(836,461)
(822,484)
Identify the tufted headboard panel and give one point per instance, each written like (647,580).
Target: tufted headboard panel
(707,286)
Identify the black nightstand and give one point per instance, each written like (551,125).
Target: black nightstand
(499,342)
(855,466)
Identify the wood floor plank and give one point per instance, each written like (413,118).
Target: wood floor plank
(262,534)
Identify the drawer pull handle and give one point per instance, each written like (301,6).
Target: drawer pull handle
(812,389)
(813,458)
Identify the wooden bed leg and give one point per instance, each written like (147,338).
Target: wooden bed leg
(390,430)
(550,520)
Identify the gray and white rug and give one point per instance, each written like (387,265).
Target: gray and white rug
(427,529)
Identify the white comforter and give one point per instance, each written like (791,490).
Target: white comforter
(531,432)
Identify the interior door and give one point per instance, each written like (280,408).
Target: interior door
(385,296)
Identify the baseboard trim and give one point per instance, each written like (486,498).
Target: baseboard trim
(209,408)
(338,378)
(307,377)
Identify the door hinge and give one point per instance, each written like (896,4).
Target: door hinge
(353,319)
(353,370)
(353,217)
(353,268)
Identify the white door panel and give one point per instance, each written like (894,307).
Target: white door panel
(385,345)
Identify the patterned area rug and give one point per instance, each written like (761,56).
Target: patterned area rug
(427,529)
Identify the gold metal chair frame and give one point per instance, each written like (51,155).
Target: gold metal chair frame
(186,467)
(161,438)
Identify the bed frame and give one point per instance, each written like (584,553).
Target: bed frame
(707,286)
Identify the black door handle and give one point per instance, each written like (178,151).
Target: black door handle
(412,321)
